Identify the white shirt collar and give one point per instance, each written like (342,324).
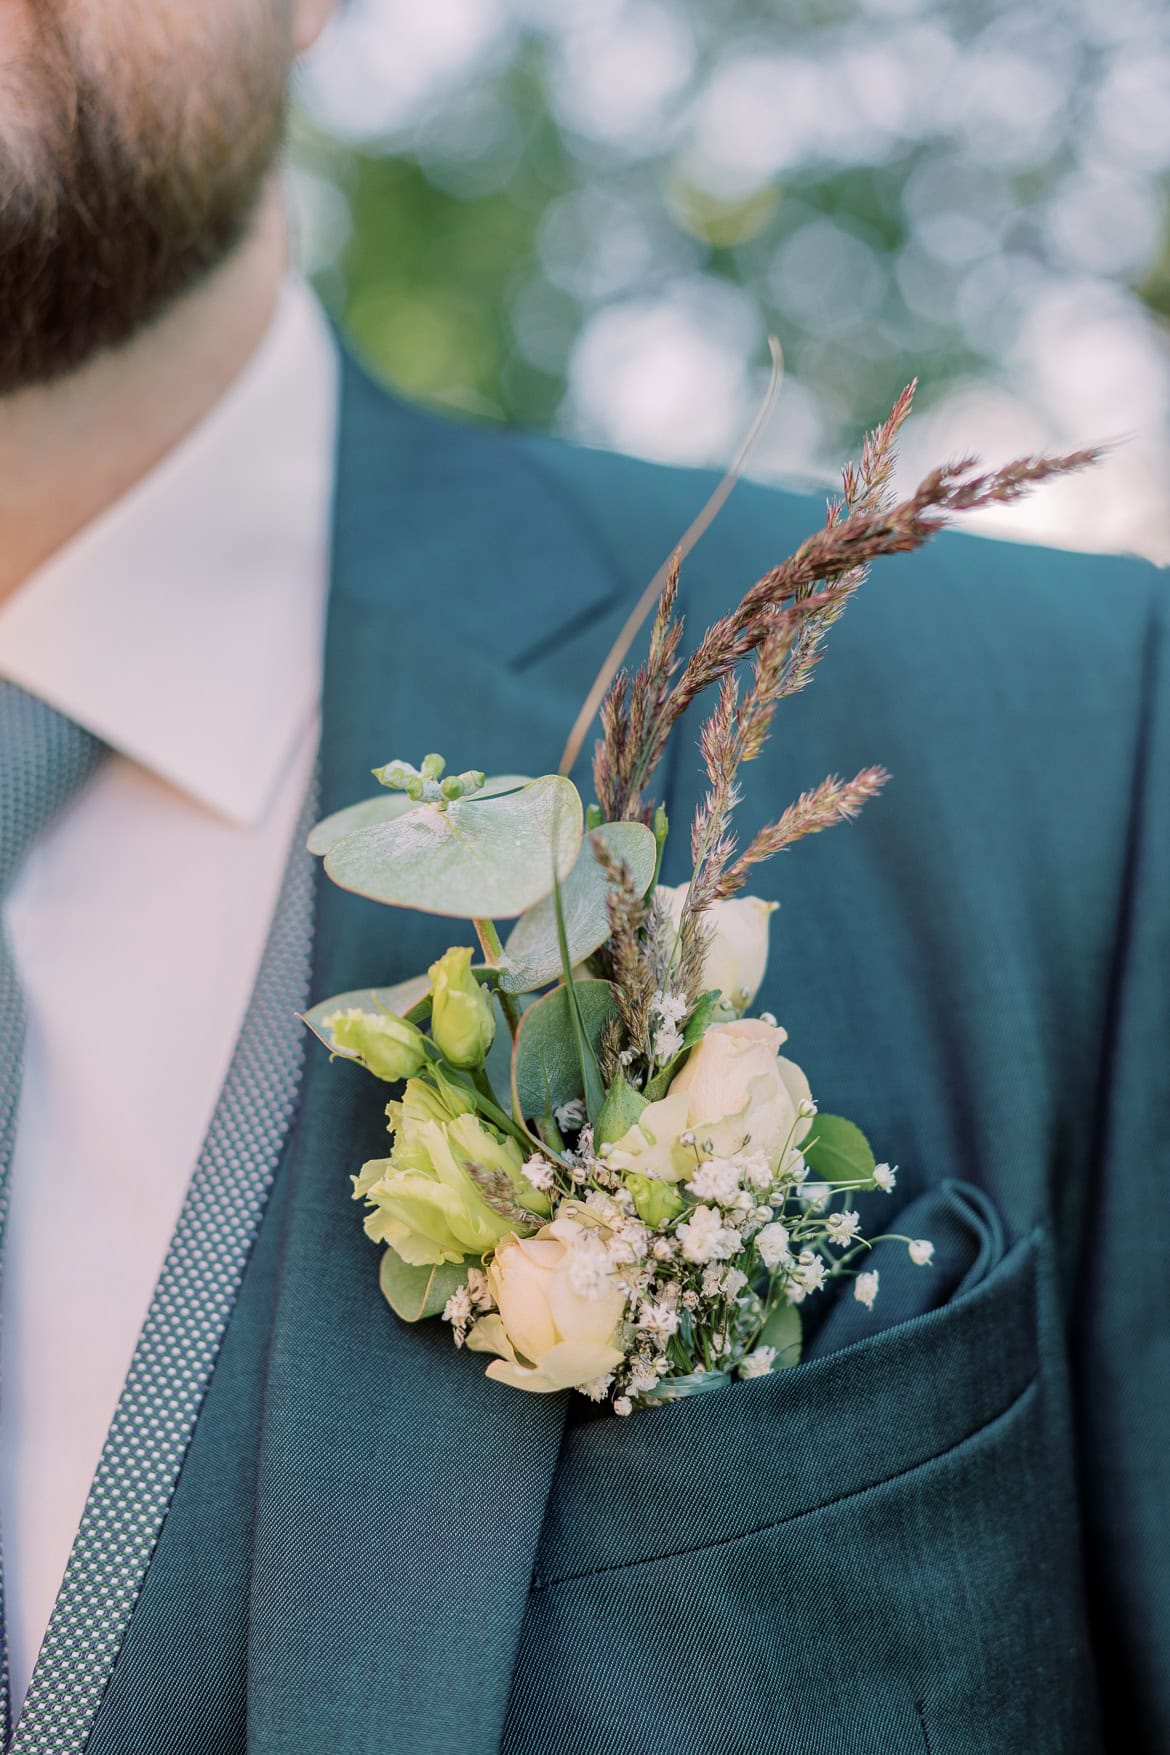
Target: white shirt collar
(185,625)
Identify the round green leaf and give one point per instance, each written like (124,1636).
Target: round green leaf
(387,805)
(532,956)
(401,1000)
(481,858)
(417,1292)
(546,1063)
(838,1151)
(782,1330)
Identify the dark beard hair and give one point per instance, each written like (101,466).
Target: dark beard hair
(114,216)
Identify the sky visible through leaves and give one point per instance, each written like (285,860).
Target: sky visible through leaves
(587,215)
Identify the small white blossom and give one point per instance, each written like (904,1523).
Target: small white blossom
(588,1270)
(843,1227)
(671,1007)
(690,1299)
(712,1281)
(667,1043)
(716,1180)
(768,1018)
(794,1170)
(772,1245)
(628,1056)
(570,1115)
(457,1310)
(663,1249)
(810,1271)
(760,1215)
(807,1107)
(865,1288)
(686,1138)
(597,1388)
(622,1405)
(756,1170)
(758,1363)
(815,1196)
(734,1281)
(702,1235)
(884,1177)
(539,1172)
(921,1251)
(643,1376)
(658,1321)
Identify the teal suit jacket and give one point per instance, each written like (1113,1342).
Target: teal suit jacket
(947,1532)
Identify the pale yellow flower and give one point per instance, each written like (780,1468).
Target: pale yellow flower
(559,1308)
(462,1021)
(737,953)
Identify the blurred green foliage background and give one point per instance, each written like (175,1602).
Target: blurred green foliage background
(589,214)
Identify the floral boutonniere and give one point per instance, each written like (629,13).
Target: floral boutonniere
(603,1172)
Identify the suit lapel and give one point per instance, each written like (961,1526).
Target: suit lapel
(400,1494)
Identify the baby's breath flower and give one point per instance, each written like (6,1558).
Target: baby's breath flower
(815,1196)
(670,1007)
(712,1281)
(772,1245)
(734,1281)
(705,1238)
(658,1321)
(884,1176)
(622,1405)
(597,1388)
(810,1271)
(768,1018)
(686,1138)
(757,1363)
(457,1310)
(865,1288)
(690,1299)
(570,1115)
(807,1107)
(539,1172)
(921,1251)
(842,1227)
(663,1249)
(666,1044)
(760,1215)
(588,1270)
(716,1180)
(756,1170)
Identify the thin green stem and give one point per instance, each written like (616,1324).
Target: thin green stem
(493,950)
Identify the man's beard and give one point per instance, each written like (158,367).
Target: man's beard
(120,192)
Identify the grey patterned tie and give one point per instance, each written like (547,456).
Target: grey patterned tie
(44,758)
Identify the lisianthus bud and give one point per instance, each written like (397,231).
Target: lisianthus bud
(559,1306)
(737,952)
(426,1202)
(389,1046)
(462,1021)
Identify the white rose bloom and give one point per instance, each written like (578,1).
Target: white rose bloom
(735,1093)
(738,952)
(558,1316)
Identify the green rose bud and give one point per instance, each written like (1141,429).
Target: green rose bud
(462,1021)
(388,1046)
(425,1200)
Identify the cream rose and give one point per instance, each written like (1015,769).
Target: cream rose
(736,1091)
(559,1307)
(737,953)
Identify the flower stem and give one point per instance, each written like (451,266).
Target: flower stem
(493,950)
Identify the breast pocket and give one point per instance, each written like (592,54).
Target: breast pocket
(873,1553)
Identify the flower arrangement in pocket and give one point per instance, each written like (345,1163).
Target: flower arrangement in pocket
(603,1172)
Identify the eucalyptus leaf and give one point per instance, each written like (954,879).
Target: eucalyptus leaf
(384,807)
(782,1330)
(481,858)
(838,1152)
(546,1065)
(407,998)
(417,1292)
(532,955)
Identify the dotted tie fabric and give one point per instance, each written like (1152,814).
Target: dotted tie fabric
(180,1340)
(44,759)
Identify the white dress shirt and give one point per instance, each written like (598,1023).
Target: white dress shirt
(185,627)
